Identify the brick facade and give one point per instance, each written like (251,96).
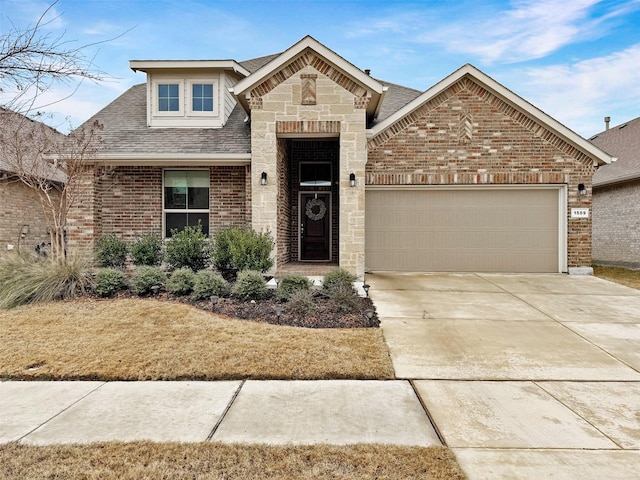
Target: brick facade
(616,225)
(127,201)
(468,136)
(20,207)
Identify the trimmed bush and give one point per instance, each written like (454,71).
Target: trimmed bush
(289,284)
(301,302)
(188,248)
(242,249)
(110,281)
(208,283)
(344,297)
(250,285)
(145,277)
(26,278)
(111,251)
(338,278)
(181,282)
(147,250)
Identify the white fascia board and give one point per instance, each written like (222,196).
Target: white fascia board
(505,94)
(146,65)
(172,159)
(311,43)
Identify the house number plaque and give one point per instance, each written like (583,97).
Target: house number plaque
(579,213)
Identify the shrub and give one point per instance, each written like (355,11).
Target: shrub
(337,278)
(145,277)
(344,297)
(26,278)
(188,248)
(147,250)
(289,284)
(110,281)
(242,249)
(181,281)
(111,251)
(250,285)
(301,302)
(209,283)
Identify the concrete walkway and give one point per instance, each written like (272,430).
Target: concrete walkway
(524,376)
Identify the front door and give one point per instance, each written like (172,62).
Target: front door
(315,226)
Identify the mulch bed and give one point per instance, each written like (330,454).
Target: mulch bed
(325,313)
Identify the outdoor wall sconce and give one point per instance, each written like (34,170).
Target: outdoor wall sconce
(24,231)
(352,180)
(263,178)
(582,190)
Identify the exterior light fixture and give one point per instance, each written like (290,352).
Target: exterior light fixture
(369,313)
(366,288)
(214,301)
(279,310)
(582,190)
(352,180)
(155,289)
(263,178)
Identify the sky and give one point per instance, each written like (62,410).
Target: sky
(577,60)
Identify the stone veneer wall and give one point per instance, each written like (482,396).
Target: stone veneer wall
(20,206)
(468,136)
(127,201)
(277,109)
(616,224)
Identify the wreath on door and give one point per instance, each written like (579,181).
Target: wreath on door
(315,209)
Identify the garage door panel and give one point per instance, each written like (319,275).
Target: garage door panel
(501,230)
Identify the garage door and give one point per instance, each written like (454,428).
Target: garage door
(463,230)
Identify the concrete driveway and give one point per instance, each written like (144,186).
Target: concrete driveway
(523,376)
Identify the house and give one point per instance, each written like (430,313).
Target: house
(23,223)
(342,168)
(616,197)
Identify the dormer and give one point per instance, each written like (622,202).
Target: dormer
(189,93)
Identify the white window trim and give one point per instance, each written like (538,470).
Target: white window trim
(181,97)
(183,210)
(216,97)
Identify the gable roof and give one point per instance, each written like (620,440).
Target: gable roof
(599,157)
(374,88)
(622,141)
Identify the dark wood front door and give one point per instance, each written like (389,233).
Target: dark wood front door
(315,226)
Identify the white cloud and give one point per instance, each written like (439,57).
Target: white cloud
(581,94)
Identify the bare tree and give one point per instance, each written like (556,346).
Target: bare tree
(52,165)
(31,61)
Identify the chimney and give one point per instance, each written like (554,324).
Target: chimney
(606,122)
(367,72)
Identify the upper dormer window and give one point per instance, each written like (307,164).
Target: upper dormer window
(202,97)
(169,97)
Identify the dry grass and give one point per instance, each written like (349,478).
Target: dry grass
(134,339)
(624,276)
(144,460)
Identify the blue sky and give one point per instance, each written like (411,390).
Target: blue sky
(577,60)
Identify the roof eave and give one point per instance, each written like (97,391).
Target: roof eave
(149,65)
(168,159)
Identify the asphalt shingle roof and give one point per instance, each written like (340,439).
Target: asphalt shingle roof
(622,141)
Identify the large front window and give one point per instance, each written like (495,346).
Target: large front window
(186,200)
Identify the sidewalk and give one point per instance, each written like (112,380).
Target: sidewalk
(334,412)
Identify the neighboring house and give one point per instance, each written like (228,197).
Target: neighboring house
(343,168)
(616,198)
(23,224)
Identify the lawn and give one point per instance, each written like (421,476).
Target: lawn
(624,276)
(144,339)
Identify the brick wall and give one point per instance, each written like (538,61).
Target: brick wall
(467,136)
(285,227)
(616,224)
(20,206)
(128,202)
